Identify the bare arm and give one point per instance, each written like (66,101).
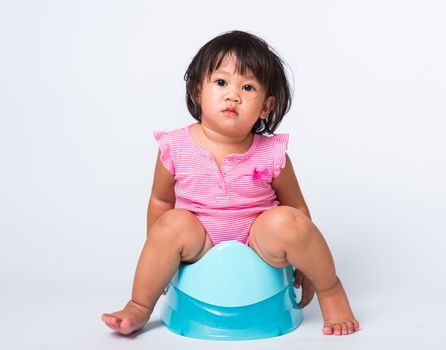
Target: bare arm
(162,197)
(287,189)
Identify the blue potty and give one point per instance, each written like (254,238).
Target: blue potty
(231,294)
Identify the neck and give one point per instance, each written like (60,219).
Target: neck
(224,140)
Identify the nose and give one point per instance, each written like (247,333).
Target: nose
(232,97)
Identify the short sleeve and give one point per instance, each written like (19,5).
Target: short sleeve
(280,145)
(163,140)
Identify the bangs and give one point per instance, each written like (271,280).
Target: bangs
(243,65)
(247,60)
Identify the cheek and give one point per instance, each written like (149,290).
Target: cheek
(209,98)
(257,108)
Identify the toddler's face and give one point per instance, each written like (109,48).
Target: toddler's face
(231,103)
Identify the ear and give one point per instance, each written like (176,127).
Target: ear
(267,107)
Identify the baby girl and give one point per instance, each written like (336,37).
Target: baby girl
(228,177)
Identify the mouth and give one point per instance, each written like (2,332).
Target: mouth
(230,112)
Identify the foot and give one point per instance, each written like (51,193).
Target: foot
(336,311)
(130,319)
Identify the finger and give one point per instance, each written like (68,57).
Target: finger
(307,293)
(306,300)
(298,278)
(303,303)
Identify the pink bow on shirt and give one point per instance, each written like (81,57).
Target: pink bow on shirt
(260,174)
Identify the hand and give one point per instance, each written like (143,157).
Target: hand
(307,288)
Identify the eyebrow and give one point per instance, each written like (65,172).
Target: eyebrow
(220,71)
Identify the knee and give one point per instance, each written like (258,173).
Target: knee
(172,225)
(291,225)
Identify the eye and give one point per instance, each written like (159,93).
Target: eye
(220,82)
(248,87)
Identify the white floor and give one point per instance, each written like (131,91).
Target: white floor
(67,320)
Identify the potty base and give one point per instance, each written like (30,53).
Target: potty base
(271,317)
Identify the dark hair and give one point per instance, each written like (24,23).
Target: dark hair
(252,54)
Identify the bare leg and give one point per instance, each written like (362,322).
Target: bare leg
(177,236)
(284,235)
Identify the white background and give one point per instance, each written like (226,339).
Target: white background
(83,85)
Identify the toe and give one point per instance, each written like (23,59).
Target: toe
(350,327)
(328,328)
(126,327)
(344,328)
(355,325)
(337,329)
(112,322)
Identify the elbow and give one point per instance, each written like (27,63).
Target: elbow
(160,204)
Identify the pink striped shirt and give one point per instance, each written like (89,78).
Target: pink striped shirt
(228,198)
